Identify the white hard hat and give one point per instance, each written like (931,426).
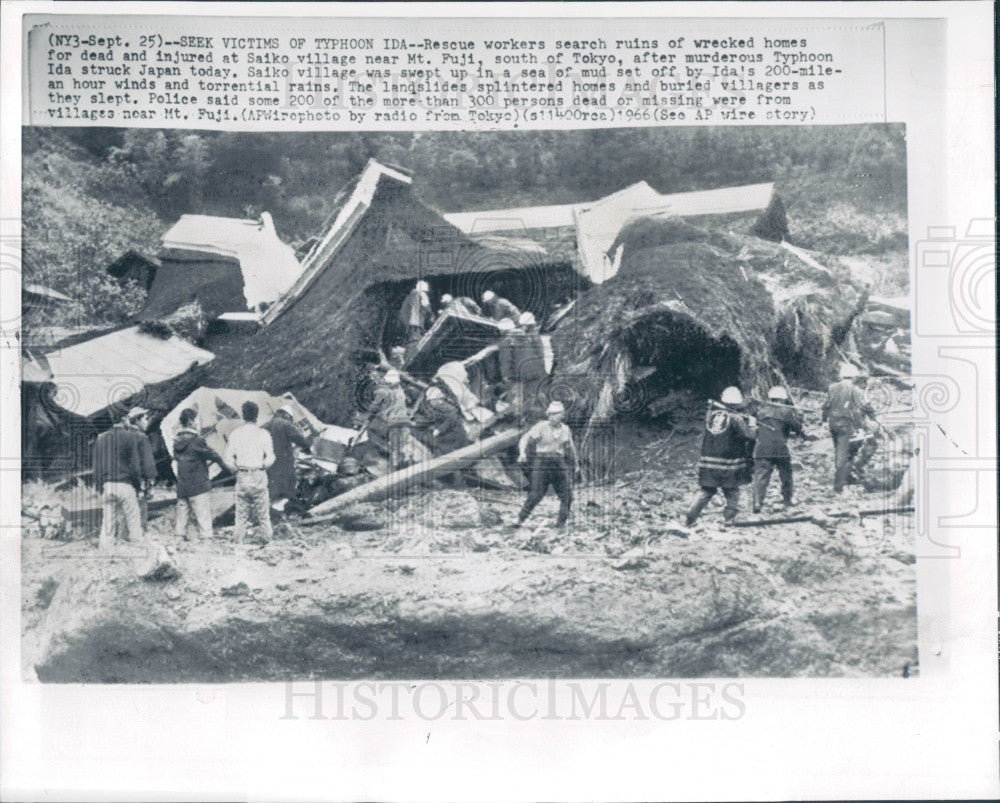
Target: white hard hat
(526,319)
(556,407)
(434,394)
(287,410)
(505,325)
(446,298)
(423,287)
(731,395)
(489,295)
(392,377)
(848,370)
(778,393)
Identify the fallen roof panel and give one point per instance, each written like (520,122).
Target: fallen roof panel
(105,370)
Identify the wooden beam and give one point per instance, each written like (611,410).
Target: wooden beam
(411,475)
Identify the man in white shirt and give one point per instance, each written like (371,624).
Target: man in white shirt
(548,448)
(249,453)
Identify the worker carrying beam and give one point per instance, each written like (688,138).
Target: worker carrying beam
(723,464)
(549,450)
(777,419)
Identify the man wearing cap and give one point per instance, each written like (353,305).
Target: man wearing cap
(530,360)
(724,448)
(548,448)
(507,356)
(415,314)
(249,454)
(845,409)
(777,419)
(391,417)
(284,437)
(498,307)
(192,454)
(123,466)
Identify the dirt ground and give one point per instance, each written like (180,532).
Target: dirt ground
(444,588)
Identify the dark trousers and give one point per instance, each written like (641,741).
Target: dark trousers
(705,495)
(762,468)
(549,470)
(841,454)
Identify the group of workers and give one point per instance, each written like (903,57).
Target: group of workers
(741,446)
(261,457)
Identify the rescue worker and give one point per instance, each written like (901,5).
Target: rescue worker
(285,436)
(249,454)
(389,417)
(462,305)
(724,447)
(498,308)
(397,357)
(123,468)
(549,450)
(530,361)
(776,420)
(415,315)
(846,410)
(192,455)
(507,356)
(439,420)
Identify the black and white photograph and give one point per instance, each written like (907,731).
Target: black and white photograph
(493,401)
(621,403)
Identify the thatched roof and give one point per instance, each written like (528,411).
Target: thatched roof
(706,309)
(381,240)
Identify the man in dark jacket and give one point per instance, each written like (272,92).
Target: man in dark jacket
(191,458)
(776,420)
(285,436)
(845,409)
(723,462)
(123,468)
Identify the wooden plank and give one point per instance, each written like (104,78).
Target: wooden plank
(411,475)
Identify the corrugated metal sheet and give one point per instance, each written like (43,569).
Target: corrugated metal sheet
(94,374)
(269,266)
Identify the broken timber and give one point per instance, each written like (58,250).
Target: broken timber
(410,475)
(807,517)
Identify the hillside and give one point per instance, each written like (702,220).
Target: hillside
(90,194)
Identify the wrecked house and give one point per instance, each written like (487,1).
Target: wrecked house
(321,338)
(134,266)
(227,265)
(693,310)
(591,229)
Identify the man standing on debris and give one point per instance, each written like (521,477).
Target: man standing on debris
(845,409)
(507,356)
(777,419)
(724,447)
(548,448)
(530,361)
(191,458)
(123,467)
(249,454)
(391,416)
(285,436)
(415,314)
(498,307)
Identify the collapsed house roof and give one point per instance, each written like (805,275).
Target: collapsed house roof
(381,239)
(703,310)
(598,223)
(226,264)
(93,375)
